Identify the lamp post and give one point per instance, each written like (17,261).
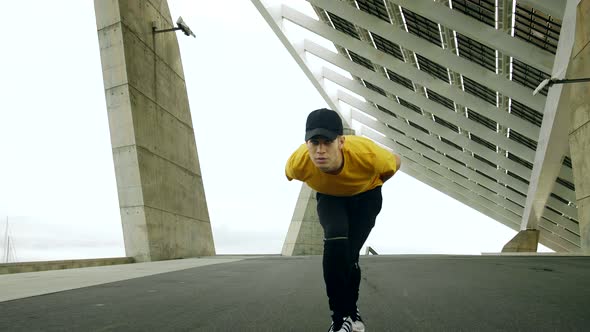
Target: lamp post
(550,81)
(180,25)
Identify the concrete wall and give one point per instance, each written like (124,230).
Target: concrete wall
(61,265)
(163,206)
(579,105)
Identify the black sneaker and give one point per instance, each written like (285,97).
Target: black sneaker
(344,325)
(357,322)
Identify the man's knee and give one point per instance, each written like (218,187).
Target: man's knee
(336,238)
(338,245)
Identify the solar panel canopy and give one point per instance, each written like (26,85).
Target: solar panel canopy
(448,85)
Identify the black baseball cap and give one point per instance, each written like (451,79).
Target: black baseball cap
(323,122)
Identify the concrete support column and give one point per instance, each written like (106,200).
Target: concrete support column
(163,207)
(579,134)
(553,138)
(524,241)
(305,235)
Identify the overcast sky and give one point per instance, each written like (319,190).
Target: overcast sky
(248,100)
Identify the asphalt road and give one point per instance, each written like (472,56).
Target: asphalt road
(398,293)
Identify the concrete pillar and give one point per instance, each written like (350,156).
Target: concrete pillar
(305,235)
(524,241)
(579,134)
(163,207)
(553,137)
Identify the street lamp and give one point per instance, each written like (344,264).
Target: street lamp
(180,25)
(550,81)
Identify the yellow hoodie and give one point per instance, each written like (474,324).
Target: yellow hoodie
(366,166)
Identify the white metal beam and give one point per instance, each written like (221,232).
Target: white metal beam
(411,149)
(523,127)
(272,16)
(446,163)
(443,132)
(471,145)
(460,193)
(437,129)
(423,102)
(468,144)
(409,71)
(547,239)
(426,175)
(567,173)
(470,190)
(428,50)
(482,33)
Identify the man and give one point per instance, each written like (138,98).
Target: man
(347,172)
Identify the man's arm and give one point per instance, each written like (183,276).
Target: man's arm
(289,172)
(294,164)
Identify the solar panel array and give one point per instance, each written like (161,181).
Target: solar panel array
(483,142)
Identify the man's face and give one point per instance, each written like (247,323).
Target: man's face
(326,154)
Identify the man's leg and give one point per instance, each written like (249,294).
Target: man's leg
(336,260)
(363,211)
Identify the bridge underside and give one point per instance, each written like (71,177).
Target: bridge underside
(449,86)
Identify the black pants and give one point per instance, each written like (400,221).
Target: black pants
(347,222)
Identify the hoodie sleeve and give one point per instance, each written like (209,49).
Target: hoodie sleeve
(292,168)
(386,162)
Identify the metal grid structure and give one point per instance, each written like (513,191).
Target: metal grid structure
(536,27)
(476,52)
(482,10)
(458,108)
(421,27)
